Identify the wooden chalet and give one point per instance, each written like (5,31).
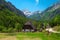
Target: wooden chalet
(28,27)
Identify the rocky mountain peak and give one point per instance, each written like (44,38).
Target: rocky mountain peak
(27,12)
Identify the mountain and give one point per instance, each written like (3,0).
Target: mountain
(27,13)
(47,14)
(11,19)
(11,7)
(32,15)
(35,15)
(51,12)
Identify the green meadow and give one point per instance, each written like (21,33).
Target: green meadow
(38,36)
(30,36)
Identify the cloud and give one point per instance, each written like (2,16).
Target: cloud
(37,1)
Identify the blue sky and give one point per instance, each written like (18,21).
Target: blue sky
(32,5)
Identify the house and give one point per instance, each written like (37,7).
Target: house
(28,27)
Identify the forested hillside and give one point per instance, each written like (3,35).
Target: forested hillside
(9,20)
(11,7)
(51,12)
(52,15)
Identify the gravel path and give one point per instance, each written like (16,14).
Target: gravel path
(51,30)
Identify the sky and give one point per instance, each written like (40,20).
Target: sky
(32,5)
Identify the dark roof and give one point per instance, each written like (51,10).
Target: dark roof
(28,23)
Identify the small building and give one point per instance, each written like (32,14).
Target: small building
(28,27)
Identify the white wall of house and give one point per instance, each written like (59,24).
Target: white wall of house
(27,30)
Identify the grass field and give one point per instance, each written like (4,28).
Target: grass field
(30,36)
(38,36)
